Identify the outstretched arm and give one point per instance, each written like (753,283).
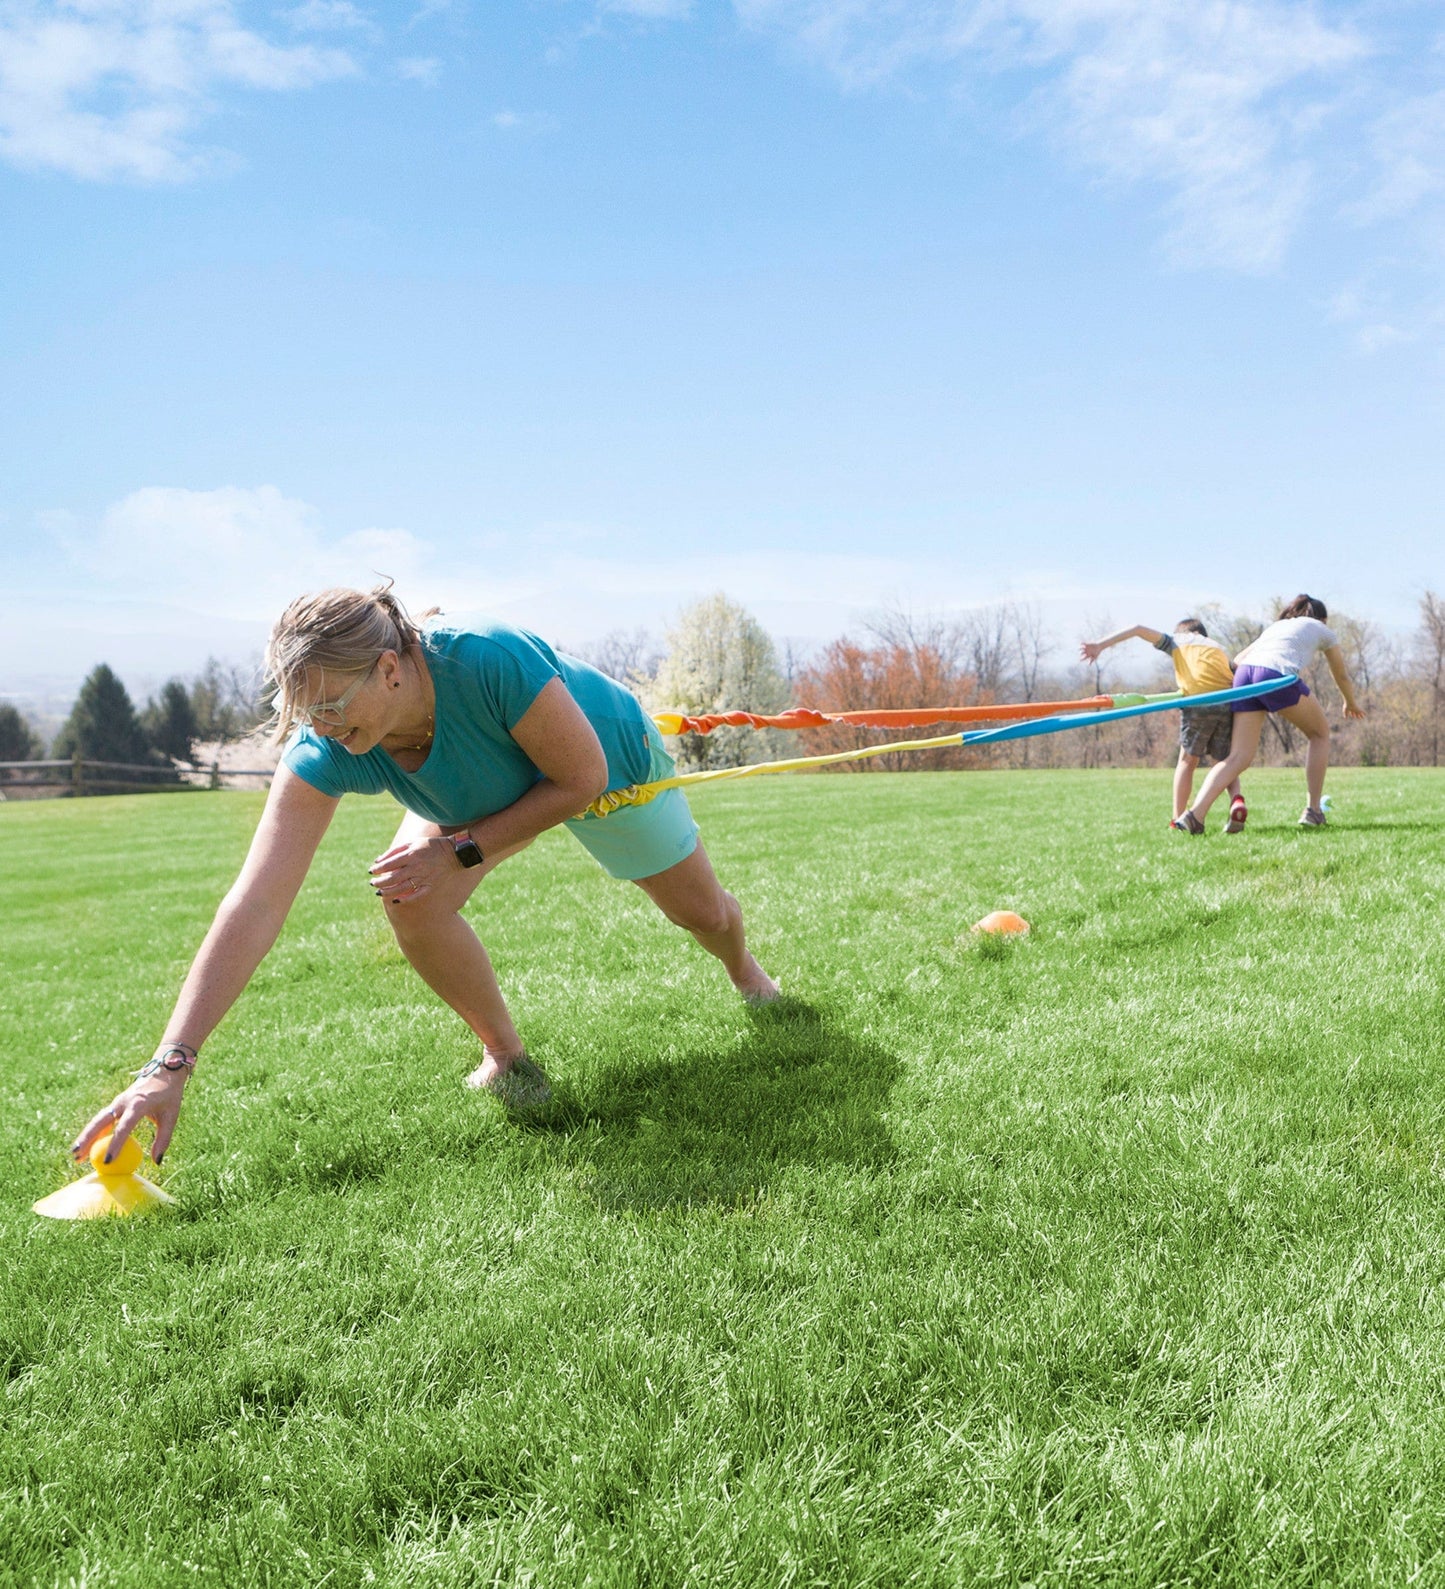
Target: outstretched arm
(1091,649)
(1336,659)
(246,925)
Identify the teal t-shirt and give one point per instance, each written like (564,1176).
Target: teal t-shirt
(485,678)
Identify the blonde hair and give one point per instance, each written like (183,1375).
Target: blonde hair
(336,631)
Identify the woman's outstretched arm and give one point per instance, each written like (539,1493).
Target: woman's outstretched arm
(1336,660)
(246,925)
(1342,679)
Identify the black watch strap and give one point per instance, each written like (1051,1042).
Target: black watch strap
(466,849)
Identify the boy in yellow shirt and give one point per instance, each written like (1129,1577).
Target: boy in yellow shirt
(1200,666)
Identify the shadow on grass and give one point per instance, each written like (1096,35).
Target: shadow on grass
(710,1127)
(716,1125)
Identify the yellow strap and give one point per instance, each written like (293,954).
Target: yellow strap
(638,794)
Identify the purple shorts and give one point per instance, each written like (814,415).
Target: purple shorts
(1275,700)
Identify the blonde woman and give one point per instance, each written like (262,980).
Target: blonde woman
(488,737)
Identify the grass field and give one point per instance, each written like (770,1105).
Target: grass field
(1115,1256)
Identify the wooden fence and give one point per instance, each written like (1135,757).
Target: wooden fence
(42,780)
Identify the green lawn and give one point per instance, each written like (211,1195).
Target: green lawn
(1115,1256)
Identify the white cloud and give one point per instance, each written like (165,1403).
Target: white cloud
(419,68)
(168,576)
(328,16)
(106,89)
(1408,146)
(1213,100)
(429,9)
(235,552)
(649,10)
(524,121)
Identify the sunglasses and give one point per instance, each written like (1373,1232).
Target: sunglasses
(332,714)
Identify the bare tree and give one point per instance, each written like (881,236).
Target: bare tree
(1364,646)
(989,649)
(794,661)
(1031,643)
(1430,658)
(1233,630)
(1097,625)
(917,635)
(629,656)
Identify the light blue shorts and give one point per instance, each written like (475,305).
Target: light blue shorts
(641,841)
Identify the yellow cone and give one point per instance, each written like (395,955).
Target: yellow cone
(113,1188)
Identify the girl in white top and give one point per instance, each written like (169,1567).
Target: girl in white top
(1287,646)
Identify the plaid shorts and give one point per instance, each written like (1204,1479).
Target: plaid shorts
(1205,731)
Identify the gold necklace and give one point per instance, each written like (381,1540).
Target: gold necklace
(430,734)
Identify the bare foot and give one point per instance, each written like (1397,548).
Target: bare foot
(756,986)
(491,1068)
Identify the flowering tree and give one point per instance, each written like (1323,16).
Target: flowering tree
(720,659)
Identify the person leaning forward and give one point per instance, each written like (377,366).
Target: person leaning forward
(487,737)
(1201,666)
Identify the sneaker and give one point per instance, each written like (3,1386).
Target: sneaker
(1312,818)
(521,1089)
(1188,823)
(1238,816)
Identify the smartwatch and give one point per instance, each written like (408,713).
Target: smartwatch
(465,847)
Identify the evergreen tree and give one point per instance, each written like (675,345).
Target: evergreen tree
(103,725)
(223,701)
(170,722)
(18,741)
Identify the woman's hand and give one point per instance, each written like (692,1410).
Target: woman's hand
(1091,650)
(410,871)
(1354,709)
(154,1095)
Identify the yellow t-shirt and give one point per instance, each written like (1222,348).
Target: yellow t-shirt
(1200,664)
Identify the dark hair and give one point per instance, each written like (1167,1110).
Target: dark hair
(1305,607)
(1193,625)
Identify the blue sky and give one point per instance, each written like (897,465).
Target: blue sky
(574,311)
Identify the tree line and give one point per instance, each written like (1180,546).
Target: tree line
(216,705)
(717,657)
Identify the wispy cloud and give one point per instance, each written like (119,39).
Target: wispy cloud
(1214,102)
(648,10)
(419,68)
(1407,146)
(524,121)
(106,89)
(329,16)
(237,552)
